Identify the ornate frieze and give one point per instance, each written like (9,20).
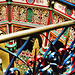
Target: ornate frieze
(29,15)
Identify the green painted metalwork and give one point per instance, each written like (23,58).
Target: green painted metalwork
(12,47)
(29,14)
(65,33)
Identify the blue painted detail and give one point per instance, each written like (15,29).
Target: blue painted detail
(54,42)
(51,55)
(45,68)
(69,70)
(68,3)
(51,64)
(68,62)
(41,66)
(11,70)
(71,54)
(67,58)
(50,72)
(50,47)
(8,51)
(27,73)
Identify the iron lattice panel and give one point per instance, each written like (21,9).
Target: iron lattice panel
(28,14)
(37,16)
(22,14)
(15,13)
(3,12)
(44,17)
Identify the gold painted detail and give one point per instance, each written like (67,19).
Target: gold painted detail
(3,12)
(39,16)
(36,47)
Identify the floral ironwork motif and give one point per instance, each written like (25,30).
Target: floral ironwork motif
(3,12)
(37,16)
(55,19)
(44,17)
(22,13)
(15,13)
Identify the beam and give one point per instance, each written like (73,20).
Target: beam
(31,31)
(62,14)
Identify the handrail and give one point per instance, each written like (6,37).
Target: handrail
(28,32)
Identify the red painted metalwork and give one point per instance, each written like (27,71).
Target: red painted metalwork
(50,12)
(9,11)
(9,17)
(48,24)
(46,39)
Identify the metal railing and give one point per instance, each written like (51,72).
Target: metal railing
(28,32)
(53,55)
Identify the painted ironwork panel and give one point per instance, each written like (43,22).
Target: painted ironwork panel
(3,12)
(41,2)
(22,14)
(54,61)
(37,16)
(55,19)
(27,14)
(58,19)
(44,17)
(24,55)
(15,12)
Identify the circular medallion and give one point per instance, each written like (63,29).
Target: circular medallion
(68,11)
(30,1)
